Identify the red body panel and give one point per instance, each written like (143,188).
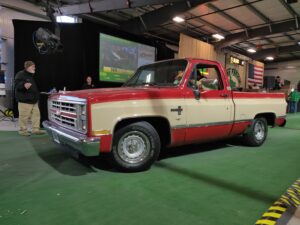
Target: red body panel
(280,121)
(105,143)
(207,133)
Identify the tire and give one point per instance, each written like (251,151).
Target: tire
(135,147)
(257,133)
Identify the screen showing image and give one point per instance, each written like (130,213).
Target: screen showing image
(120,58)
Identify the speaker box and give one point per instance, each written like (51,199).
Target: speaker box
(269,82)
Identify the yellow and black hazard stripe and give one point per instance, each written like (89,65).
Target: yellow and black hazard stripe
(287,202)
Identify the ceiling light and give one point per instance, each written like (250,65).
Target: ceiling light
(251,50)
(298,42)
(178,19)
(218,36)
(269,58)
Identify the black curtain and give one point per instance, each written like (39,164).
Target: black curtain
(62,69)
(59,70)
(79,58)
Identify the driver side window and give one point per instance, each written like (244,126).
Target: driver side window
(205,77)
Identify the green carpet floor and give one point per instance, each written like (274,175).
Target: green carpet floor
(222,183)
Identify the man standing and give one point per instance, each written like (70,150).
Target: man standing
(293,101)
(27,96)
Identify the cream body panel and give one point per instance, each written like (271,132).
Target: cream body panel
(248,108)
(106,115)
(209,111)
(194,112)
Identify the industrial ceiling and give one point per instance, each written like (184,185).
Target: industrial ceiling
(271,27)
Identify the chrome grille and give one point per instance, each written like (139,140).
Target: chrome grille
(64,106)
(65,120)
(69,114)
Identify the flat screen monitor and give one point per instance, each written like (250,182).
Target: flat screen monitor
(119,58)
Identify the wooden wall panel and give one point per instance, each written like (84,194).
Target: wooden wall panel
(191,47)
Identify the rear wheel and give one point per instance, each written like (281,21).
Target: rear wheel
(135,147)
(257,133)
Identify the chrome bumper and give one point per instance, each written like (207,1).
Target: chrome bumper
(80,142)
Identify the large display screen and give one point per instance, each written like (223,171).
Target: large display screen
(120,58)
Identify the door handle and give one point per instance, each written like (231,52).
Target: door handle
(225,95)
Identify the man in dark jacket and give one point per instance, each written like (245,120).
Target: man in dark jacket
(27,96)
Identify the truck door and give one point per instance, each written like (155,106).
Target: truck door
(211,115)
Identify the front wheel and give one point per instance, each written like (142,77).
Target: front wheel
(257,132)
(135,147)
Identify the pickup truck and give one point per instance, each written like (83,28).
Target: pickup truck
(161,105)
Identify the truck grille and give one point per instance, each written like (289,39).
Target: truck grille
(68,114)
(64,106)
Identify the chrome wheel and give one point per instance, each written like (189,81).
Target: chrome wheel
(133,147)
(259,130)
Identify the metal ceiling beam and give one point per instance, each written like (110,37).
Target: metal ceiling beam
(154,18)
(290,42)
(25,7)
(162,37)
(213,26)
(276,51)
(108,5)
(186,28)
(290,37)
(261,16)
(259,32)
(289,8)
(256,11)
(223,10)
(100,19)
(232,19)
(285,59)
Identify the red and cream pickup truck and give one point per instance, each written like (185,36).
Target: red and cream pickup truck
(168,103)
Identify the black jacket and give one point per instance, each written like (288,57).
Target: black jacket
(31,95)
(87,86)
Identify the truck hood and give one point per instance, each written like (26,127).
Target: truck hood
(122,94)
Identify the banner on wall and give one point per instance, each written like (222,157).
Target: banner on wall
(255,74)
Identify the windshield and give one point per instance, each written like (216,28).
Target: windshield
(167,73)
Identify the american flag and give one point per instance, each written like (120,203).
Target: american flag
(255,74)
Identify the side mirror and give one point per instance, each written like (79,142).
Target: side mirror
(197,93)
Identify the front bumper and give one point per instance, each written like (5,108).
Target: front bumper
(80,142)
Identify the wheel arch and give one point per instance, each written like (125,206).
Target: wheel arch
(269,116)
(160,124)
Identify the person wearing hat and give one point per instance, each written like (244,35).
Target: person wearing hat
(27,96)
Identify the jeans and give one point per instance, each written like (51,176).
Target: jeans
(293,107)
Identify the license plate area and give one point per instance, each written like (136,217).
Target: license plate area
(55,137)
